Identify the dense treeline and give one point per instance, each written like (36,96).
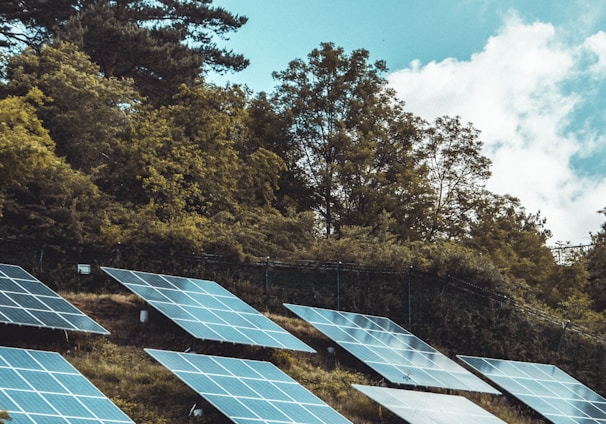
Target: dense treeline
(110,135)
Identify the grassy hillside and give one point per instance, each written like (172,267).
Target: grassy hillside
(149,393)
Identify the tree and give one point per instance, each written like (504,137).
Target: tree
(194,157)
(86,114)
(24,144)
(270,129)
(41,196)
(457,173)
(159,44)
(515,240)
(31,23)
(349,138)
(596,266)
(191,166)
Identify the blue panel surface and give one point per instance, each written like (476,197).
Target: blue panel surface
(545,388)
(43,388)
(26,301)
(248,391)
(206,310)
(422,407)
(393,352)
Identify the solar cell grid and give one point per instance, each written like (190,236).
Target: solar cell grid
(206,310)
(545,388)
(42,387)
(393,352)
(424,408)
(26,301)
(248,391)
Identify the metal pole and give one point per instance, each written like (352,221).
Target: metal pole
(409,302)
(564,325)
(267,275)
(338,287)
(41,259)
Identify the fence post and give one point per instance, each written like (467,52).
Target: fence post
(267,275)
(338,287)
(564,326)
(41,258)
(409,301)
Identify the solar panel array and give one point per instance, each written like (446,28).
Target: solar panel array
(423,407)
(545,388)
(24,300)
(43,388)
(206,310)
(390,350)
(246,391)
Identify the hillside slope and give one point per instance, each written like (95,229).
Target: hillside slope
(149,393)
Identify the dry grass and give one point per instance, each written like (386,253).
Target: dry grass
(149,393)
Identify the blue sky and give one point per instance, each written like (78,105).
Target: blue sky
(531,75)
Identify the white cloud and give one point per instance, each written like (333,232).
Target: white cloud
(515,92)
(596,45)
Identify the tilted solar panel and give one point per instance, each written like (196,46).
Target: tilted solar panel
(246,391)
(206,310)
(42,387)
(545,388)
(424,408)
(393,352)
(24,300)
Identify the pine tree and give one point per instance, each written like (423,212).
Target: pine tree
(159,44)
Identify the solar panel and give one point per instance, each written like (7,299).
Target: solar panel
(42,387)
(206,310)
(425,408)
(246,391)
(545,388)
(24,300)
(396,354)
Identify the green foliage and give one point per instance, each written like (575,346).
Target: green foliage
(180,171)
(514,241)
(282,359)
(86,114)
(59,206)
(457,172)
(184,158)
(596,266)
(159,45)
(261,233)
(448,258)
(350,139)
(42,196)
(140,230)
(30,22)
(25,145)
(363,245)
(270,129)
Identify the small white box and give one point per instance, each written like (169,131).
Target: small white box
(84,269)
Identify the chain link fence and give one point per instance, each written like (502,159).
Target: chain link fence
(460,317)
